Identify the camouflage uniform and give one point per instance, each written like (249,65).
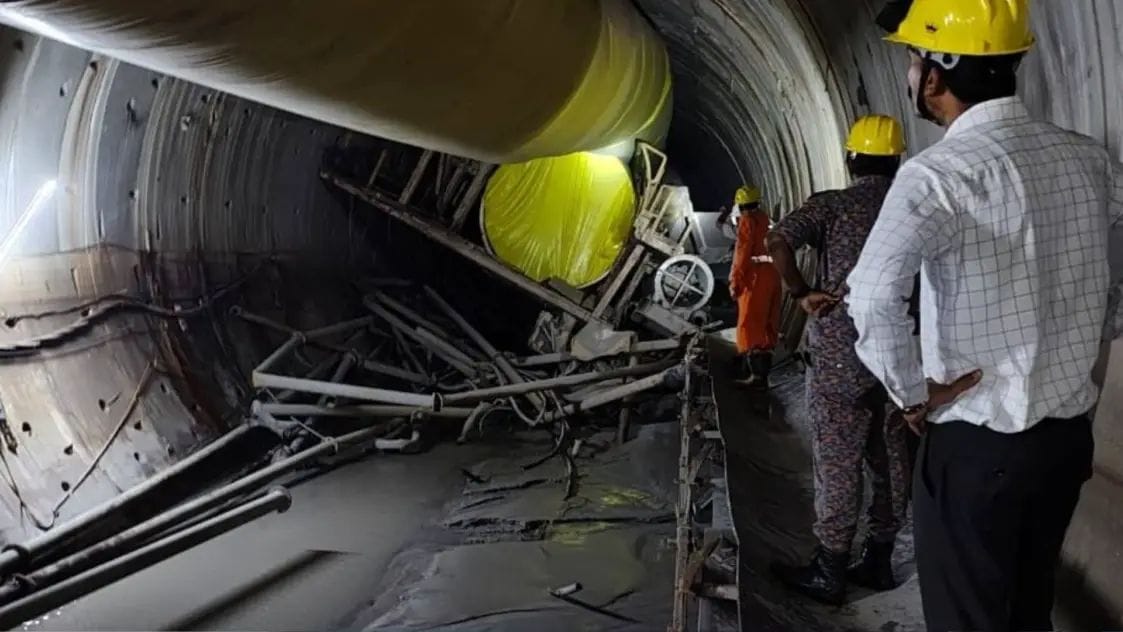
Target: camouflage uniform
(852,420)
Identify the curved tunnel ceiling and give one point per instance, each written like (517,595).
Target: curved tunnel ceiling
(171,189)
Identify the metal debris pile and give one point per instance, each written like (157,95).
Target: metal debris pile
(415,360)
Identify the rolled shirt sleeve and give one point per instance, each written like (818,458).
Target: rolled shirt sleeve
(916,224)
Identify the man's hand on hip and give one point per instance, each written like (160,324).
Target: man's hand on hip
(817,303)
(940,395)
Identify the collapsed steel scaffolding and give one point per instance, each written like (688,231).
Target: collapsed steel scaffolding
(412,362)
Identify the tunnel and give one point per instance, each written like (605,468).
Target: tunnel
(139,207)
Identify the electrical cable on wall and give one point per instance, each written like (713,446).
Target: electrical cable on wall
(109,304)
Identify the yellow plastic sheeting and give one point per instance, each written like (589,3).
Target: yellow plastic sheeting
(566,217)
(497,80)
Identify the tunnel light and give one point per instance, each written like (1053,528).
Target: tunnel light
(45,193)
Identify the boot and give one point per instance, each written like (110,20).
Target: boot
(760,364)
(824,579)
(874,569)
(740,367)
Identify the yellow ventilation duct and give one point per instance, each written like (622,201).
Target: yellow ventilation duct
(497,80)
(503,81)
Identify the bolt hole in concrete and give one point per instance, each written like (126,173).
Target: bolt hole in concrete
(171,451)
(102,405)
(155,83)
(68,450)
(136,426)
(93,65)
(132,194)
(10,323)
(65,486)
(62,90)
(163,388)
(26,427)
(136,456)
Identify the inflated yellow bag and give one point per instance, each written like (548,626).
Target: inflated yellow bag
(566,218)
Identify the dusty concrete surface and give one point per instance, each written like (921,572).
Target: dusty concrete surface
(769,465)
(410,542)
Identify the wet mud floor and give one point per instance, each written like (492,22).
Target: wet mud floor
(768,460)
(459,538)
(467,538)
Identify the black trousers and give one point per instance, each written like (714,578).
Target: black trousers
(990,512)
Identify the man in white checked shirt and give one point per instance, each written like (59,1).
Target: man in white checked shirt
(1007,219)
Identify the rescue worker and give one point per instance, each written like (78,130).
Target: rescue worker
(1009,220)
(851,420)
(755,285)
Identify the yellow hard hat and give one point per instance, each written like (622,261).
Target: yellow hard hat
(747,195)
(877,135)
(967,27)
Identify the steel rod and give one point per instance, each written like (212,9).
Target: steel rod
(320,370)
(171,521)
(280,353)
(555,382)
(84,583)
(346,363)
(611,395)
(464,364)
(361,393)
(397,306)
(298,410)
(210,500)
(416,176)
(546,359)
(392,371)
(339,328)
(682,508)
(471,195)
(283,328)
(505,367)
(623,273)
(445,237)
(415,334)
(22,557)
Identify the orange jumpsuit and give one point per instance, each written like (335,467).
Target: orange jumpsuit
(756,286)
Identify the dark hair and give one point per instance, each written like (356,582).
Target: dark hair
(862,165)
(978,79)
(749,207)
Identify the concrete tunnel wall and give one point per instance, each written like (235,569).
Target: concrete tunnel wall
(175,189)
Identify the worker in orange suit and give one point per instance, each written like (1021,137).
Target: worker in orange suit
(755,284)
